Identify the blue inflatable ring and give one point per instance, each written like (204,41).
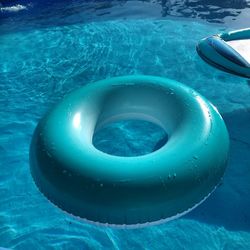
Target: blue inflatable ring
(130,191)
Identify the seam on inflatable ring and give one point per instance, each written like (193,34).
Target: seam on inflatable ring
(125,226)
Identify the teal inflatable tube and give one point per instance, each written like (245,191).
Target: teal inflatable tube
(130,191)
(227,51)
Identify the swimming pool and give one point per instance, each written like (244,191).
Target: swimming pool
(45,52)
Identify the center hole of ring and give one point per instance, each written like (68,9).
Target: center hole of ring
(129,138)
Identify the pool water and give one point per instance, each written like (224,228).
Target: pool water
(46,52)
(129,138)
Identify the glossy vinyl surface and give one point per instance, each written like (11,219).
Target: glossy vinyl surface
(220,55)
(104,188)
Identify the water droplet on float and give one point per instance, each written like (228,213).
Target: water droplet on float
(53,147)
(50,156)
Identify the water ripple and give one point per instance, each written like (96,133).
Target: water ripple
(38,67)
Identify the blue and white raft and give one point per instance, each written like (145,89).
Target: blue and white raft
(227,51)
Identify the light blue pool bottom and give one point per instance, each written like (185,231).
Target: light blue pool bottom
(130,191)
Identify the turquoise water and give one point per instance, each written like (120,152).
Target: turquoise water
(39,65)
(130,138)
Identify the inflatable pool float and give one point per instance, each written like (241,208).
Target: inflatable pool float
(130,191)
(228,51)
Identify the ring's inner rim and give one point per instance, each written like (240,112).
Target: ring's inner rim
(159,106)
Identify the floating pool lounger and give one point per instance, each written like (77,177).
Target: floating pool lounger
(228,51)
